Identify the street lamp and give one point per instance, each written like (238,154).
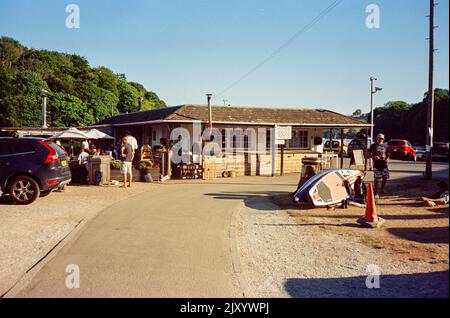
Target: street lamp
(44,95)
(373,90)
(369,138)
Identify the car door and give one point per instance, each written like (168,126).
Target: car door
(5,161)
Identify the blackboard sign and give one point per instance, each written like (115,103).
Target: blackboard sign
(357,158)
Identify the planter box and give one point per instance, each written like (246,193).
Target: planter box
(138,175)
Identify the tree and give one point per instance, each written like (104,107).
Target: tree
(66,110)
(80,94)
(357,113)
(128,97)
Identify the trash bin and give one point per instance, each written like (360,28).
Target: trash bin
(99,170)
(310,167)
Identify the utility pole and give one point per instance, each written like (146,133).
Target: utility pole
(372,87)
(430,113)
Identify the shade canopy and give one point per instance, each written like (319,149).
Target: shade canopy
(97,134)
(71,133)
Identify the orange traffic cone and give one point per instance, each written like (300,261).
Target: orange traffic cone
(371,209)
(370,219)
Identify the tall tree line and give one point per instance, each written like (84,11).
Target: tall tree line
(78,93)
(400,120)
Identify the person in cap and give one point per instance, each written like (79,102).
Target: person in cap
(379,153)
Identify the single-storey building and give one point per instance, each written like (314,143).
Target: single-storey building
(306,127)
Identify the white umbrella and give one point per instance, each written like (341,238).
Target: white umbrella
(97,134)
(71,133)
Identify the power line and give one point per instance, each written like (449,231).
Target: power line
(307,27)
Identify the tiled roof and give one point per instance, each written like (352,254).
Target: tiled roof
(223,114)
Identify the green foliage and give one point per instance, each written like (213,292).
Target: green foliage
(145,164)
(398,119)
(68,110)
(115,164)
(128,97)
(79,94)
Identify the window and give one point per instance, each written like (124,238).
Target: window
(5,149)
(299,139)
(22,147)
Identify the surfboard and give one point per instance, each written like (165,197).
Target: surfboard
(327,187)
(330,189)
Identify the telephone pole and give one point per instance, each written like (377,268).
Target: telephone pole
(430,113)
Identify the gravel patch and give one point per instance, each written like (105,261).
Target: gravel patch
(284,258)
(28,233)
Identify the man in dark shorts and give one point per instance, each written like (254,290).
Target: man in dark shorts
(379,153)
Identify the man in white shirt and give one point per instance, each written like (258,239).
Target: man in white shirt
(83,158)
(85,145)
(131,140)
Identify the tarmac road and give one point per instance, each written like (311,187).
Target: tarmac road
(172,241)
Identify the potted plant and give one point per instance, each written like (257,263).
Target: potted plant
(115,170)
(147,170)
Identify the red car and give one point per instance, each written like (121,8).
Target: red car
(400,148)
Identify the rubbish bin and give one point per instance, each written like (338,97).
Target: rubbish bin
(310,167)
(99,170)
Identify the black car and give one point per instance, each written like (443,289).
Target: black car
(31,167)
(440,150)
(354,145)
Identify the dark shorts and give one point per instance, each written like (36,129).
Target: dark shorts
(381,174)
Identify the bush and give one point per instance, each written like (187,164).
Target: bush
(145,164)
(115,164)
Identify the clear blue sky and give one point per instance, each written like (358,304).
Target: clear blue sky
(182,49)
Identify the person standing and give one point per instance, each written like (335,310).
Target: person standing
(127,156)
(131,140)
(85,145)
(378,151)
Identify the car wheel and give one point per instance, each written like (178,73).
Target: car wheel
(24,190)
(45,193)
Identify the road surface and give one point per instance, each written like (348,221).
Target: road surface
(171,241)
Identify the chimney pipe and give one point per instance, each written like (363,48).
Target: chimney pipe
(44,94)
(208,96)
(140,103)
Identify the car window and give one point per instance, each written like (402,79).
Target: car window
(5,148)
(335,144)
(396,143)
(22,147)
(58,149)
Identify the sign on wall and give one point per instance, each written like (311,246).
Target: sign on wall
(283,132)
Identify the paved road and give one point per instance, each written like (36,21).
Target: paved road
(172,241)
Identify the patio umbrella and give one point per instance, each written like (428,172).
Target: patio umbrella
(71,133)
(97,134)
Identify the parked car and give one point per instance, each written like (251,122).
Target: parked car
(335,146)
(440,150)
(402,149)
(354,145)
(31,167)
(420,152)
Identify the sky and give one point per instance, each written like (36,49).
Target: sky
(248,52)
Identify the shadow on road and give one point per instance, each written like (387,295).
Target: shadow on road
(421,285)
(437,235)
